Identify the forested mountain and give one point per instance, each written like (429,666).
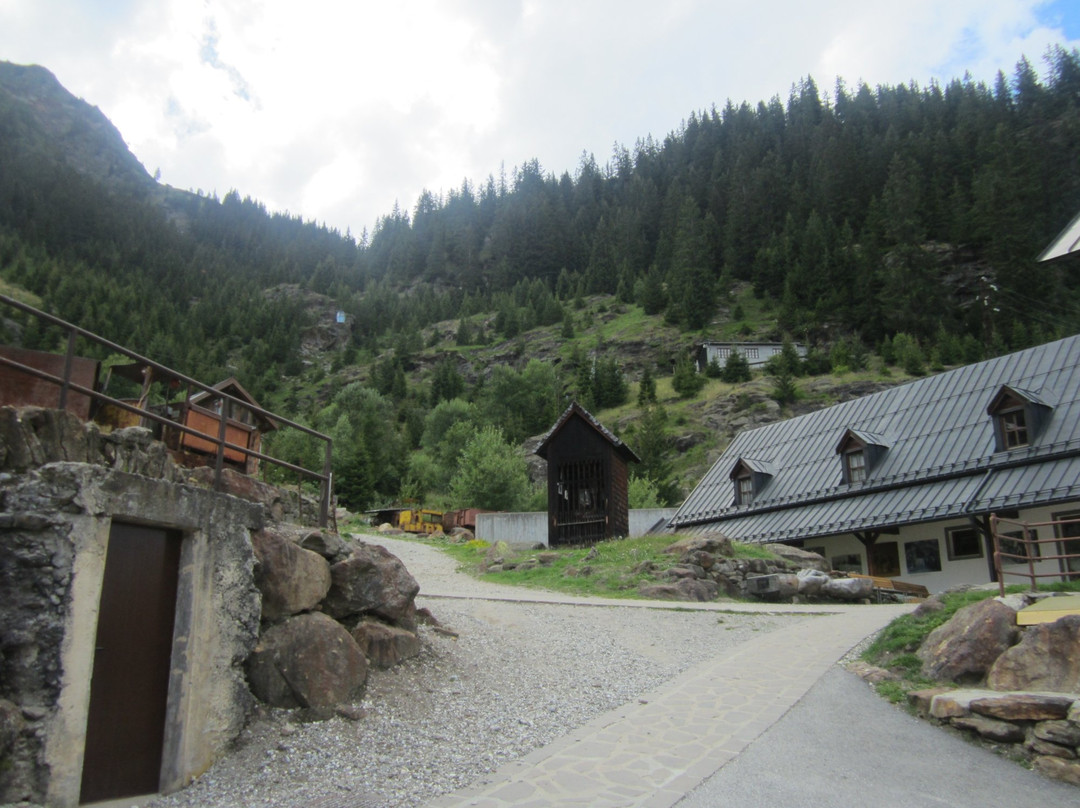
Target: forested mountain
(853,216)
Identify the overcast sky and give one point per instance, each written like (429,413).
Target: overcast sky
(335,109)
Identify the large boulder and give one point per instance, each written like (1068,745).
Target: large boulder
(800,558)
(290,578)
(371,581)
(812,581)
(778,586)
(714,544)
(848,588)
(383,645)
(687,589)
(1046,658)
(308,661)
(964,648)
(329,545)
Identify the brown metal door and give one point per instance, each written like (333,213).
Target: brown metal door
(126,724)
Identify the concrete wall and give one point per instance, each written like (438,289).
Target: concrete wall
(54,530)
(644,520)
(513,528)
(532,528)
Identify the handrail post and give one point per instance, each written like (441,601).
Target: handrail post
(997,553)
(69,359)
(219,462)
(324,498)
(1030,560)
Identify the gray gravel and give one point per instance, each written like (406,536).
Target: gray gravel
(519,676)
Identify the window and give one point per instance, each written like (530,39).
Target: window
(922,556)
(856,466)
(860,451)
(751,353)
(745,485)
(963,542)
(1019,416)
(749,477)
(1014,428)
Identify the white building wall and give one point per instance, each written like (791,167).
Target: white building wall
(841,549)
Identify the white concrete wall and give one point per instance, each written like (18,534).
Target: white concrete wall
(532,528)
(952,573)
(643,520)
(513,528)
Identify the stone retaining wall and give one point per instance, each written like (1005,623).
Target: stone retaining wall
(1042,728)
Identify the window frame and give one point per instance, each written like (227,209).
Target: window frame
(744,488)
(1015,433)
(855,473)
(950,543)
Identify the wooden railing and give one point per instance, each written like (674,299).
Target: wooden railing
(162,373)
(1024,546)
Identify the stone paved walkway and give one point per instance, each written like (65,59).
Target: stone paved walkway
(651,752)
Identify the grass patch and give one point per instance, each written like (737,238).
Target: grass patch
(894,648)
(610,569)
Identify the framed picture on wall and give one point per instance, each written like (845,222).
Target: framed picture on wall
(851,562)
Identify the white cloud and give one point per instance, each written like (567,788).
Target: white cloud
(334,109)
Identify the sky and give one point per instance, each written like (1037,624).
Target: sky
(336,110)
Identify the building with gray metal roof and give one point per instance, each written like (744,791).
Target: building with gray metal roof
(901,483)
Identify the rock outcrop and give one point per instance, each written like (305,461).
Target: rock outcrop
(307,661)
(706,568)
(291,579)
(1046,658)
(372,580)
(963,649)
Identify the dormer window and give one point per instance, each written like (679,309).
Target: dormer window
(855,463)
(1018,416)
(745,492)
(859,452)
(1014,429)
(750,477)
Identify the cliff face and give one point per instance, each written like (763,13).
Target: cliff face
(42,118)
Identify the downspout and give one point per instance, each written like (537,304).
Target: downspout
(982,524)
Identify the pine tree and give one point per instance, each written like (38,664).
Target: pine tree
(646,388)
(686,381)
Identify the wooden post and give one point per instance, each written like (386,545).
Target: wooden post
(997,553)
(1031,562)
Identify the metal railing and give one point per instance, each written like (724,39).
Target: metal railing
(1024,546)
(166,374)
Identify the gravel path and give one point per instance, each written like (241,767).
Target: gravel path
(519,675)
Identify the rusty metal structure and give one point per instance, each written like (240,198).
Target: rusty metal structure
(588,480)
(28,378)
(1020,543)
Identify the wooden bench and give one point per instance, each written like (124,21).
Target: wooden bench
(893,587)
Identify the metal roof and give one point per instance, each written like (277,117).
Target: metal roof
(1067,241)
(940,462)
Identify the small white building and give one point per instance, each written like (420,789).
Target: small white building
(756,353)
